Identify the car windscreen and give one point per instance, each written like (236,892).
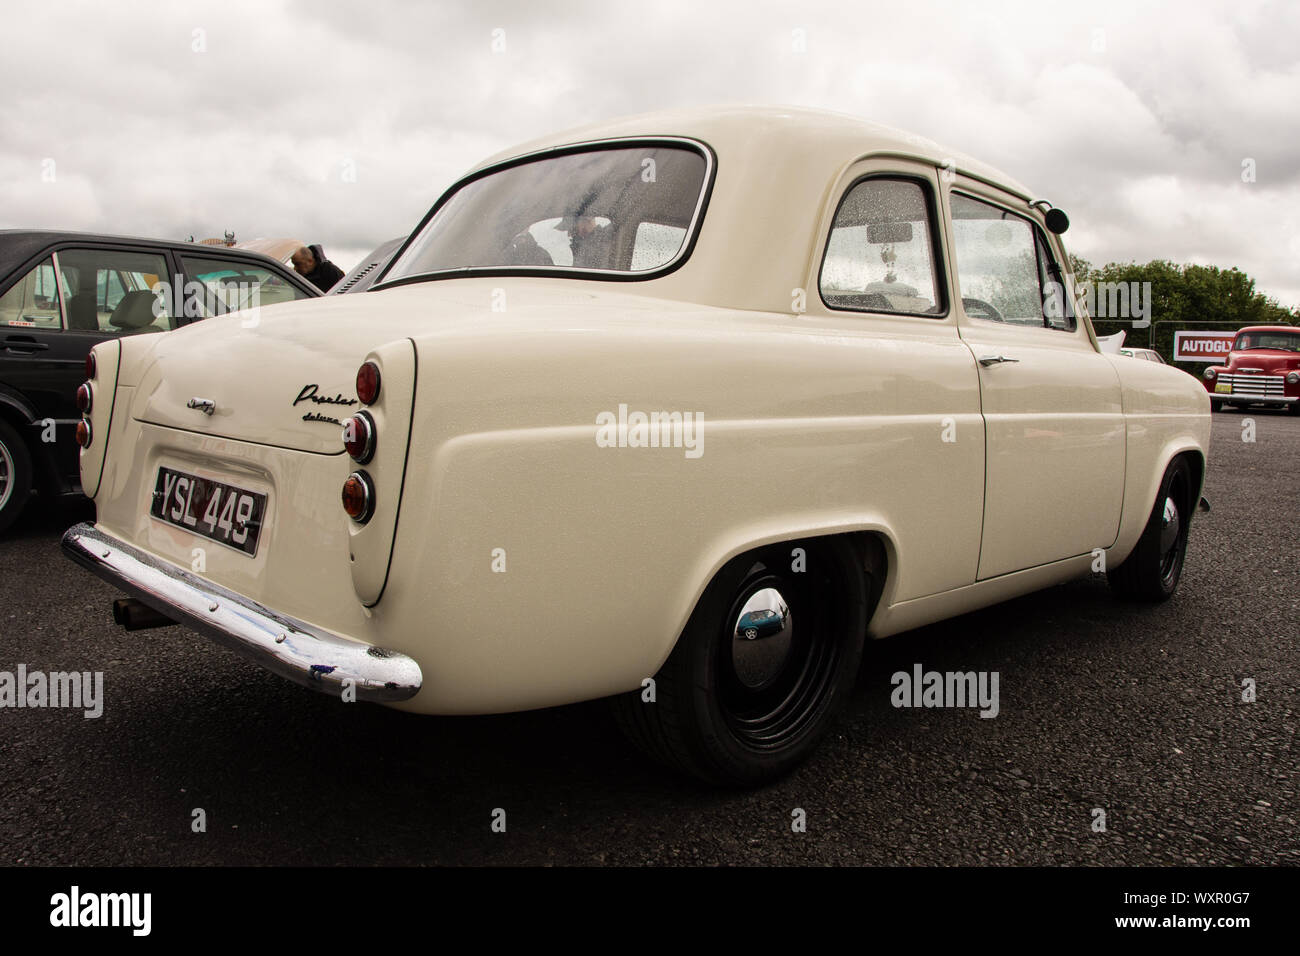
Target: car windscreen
(626,211)
(1286,341)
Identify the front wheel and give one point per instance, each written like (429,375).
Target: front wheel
(15,475)
(1152,571)
(767,658)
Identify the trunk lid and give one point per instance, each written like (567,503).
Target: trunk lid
(286,375)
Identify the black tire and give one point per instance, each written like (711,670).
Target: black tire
(1294,408)
(1152,571)
(15,475)
(718,714)
(1216,404)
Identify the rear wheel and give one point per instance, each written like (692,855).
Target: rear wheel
(15,475)
(767,658)
(1152,571)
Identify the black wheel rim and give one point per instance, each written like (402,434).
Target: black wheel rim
(771,685)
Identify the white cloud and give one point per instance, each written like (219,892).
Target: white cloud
(1133,117)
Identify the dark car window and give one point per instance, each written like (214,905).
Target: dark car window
(114,291)
(1284,341)
(32,302)
(230,284)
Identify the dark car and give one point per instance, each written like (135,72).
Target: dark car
(365,272)
(63,292)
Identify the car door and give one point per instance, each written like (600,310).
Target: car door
(1054,424)
(32,348)
(101,291)
(882,294)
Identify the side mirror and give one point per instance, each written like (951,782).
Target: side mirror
(1056,220)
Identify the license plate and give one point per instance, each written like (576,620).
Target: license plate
(1223,387)
(211,509)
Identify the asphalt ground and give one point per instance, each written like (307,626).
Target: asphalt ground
(1133,710)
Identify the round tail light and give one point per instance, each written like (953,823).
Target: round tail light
(85,398)
(83,433)
(359,437)
(359,497)
(90,365)
(368,383)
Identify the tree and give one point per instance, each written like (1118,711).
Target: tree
(1184,297)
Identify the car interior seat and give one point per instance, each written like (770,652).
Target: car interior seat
(134,312)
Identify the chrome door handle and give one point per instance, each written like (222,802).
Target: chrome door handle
(988,360)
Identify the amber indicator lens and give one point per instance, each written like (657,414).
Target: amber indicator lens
(359,437)
(358,496)
(83,433)
(368,383)
(90,365)
(84,398)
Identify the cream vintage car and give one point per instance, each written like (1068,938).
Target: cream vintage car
(677,410)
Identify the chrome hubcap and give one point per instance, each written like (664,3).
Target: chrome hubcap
(1170,526)
(763,633)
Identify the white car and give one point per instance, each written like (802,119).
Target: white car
(676,409)
(1145,355)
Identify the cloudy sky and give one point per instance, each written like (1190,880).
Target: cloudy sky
(340,123)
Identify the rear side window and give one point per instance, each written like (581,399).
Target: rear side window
(114,291)
(1004,268)
(32,302)
(880,255)
(231,284)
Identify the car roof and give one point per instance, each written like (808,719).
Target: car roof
(766,128)
(1269,328)
(19,245)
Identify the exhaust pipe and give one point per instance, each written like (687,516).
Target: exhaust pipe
(137,616)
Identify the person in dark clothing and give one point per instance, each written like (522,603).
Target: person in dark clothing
(311,264)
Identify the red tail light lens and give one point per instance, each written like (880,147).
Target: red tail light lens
(90,365)
(368,383)
(359,497)
(83,433)
(85,398)
(359,437)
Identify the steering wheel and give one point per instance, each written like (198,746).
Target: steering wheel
(979,309)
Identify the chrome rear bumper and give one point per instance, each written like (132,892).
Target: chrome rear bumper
(301,652)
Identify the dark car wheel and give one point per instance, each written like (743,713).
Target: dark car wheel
(1215,404)
(1152,571)
(737,711)
(1294,408)
(15,475)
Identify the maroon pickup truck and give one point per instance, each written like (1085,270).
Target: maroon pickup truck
(1263,368)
